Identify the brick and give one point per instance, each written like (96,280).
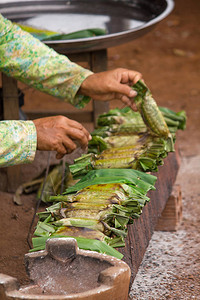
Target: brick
(172,213)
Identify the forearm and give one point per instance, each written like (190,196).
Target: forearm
(32,62)
(18,141)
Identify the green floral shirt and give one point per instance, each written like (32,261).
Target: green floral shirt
(28,60)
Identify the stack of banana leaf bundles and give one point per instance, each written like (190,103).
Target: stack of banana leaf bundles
(106,189)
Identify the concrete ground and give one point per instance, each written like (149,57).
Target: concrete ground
(171,265)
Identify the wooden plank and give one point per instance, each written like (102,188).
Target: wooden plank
(10,98)
(82,116)
(140,232)
(11,112)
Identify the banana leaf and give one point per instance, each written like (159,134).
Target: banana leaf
(40,34)
(127,128)
(43,229)
(116,163)
(77,227)
(83,243)
(127,116)
(82,165)
(47,35)
(53,183)
(90,223)
(179,117)
(122,119)
(104,176)
(149,111)
(97,145)
(120,141)
(80,228)
(80,232)
(106,194)
(132,201)
(95,214)
(145,155)
(52,212)
(100,196)
(81,34)
(103,202)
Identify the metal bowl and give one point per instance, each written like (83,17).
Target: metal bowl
(123,20)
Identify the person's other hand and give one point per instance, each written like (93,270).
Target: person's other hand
(59,134)
(112,85)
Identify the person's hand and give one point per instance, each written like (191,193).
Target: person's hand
(112,85)
(59,134)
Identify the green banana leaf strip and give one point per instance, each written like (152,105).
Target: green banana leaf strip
(103,180)
(147,106)
(179,117)
(116,242)
(97,145)
(178,120)
(40,34)
(43,215)
(82,165)
(147,164)
(44,229)
(172,123)
(83,243)
(101,132)
(120,221)
(54,207)
(53,182)
(120,118)
(127,176)
(127,128)
(85,33)
(126,173)
(80,169)
(47,35)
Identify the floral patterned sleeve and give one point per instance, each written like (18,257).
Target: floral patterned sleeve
(28,60)
(18,142)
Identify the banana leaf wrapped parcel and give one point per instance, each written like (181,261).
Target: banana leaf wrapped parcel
(128,139)
(98,207)
(109,185)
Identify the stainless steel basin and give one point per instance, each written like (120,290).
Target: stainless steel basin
(124,20)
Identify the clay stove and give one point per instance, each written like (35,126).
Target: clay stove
(63,271)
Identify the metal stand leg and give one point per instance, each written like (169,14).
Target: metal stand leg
(98,63)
